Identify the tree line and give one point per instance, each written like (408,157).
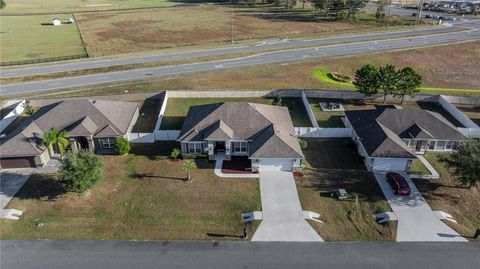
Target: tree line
(388,80)
(335,9)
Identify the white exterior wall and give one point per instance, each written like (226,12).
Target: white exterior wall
(12,115)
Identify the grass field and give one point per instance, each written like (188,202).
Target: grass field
(444,194)
(333,164)
(140,197)
(107,33)
(58,6)
(177,109)
(24,38)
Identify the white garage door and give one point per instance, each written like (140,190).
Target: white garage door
(389,164)
(276,164)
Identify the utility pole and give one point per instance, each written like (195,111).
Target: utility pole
(231,30)
(419,12)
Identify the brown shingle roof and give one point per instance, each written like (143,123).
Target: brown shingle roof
(269,128)
(81,117)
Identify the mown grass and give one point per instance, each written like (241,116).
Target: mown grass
(139,197)
(418,168)
(446,195)
(334,164)
(58,6)
(24,38)
(322,75)
(177,109)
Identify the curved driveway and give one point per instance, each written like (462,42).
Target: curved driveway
(287,55)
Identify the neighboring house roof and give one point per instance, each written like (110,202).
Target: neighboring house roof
(268,128)
(381,130)
(79,117)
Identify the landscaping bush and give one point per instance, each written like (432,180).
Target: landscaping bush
(339,77)
(80,171)
(277,101)
(175,153)
(195,156)
(122,145)
(303,144)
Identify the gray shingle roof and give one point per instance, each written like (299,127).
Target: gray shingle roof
(80,117)
(269,128)
(381,130)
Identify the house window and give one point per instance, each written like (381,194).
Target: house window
(194,148)
(440,145)
(240,147)
(107,143)
(431,145)
(449,145)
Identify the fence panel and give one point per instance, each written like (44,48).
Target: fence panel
(141,137)
(322,132)
(166,135)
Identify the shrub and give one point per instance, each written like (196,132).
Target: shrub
(122,145)
(80,171)
(277,100)
(175,153)
(303,144)
(339,77)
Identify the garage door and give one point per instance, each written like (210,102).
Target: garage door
(17,162)
(276,164)
(389,164)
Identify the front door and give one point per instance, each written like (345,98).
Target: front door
(420,145)
(219,146)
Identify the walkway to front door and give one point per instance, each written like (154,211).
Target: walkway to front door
(283,218)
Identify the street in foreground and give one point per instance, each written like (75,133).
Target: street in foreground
(182,254)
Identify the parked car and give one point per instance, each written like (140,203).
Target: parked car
(435,17)
(398,183)
(414,14)
(428,16)
(340,194)
(450,18)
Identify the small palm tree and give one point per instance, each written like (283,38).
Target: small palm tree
(175,153)
(55,137)
(187,166)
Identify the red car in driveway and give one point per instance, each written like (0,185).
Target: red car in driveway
(398,183)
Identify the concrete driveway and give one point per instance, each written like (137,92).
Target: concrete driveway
(283,218)
(416,220)
(10,183)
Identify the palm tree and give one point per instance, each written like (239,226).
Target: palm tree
(55,137)
(187,166)
(175,153)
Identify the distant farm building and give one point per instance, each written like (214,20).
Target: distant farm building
(56,21)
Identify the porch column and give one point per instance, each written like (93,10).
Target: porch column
(227,147)
(210,147)
(91,145)
(73,144)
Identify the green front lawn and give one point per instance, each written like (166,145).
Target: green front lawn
(418,168)
(139,197)
(334,164)
(446,195)
(177,109)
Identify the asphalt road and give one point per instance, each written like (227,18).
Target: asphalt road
(224,255)
(392,41)
(267,45)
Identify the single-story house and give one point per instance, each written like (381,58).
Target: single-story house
(92,125)
(389,139)
(263,133)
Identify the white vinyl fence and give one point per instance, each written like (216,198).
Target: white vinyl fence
(322,132)
(309,110)
(141,137)
(13,114)
(166,135)
(456,113)
(470,132)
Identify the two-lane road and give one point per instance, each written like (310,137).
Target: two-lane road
(224,255)
(392,42)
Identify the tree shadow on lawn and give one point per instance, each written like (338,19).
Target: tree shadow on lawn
(41,187)
(151,175)
(355,182)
